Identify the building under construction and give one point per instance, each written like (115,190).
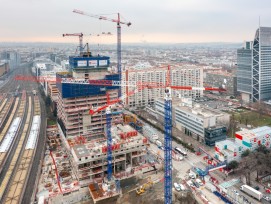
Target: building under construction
(84,135)
(75,100)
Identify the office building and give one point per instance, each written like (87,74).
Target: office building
(202,123)
(254,67)
(244,71)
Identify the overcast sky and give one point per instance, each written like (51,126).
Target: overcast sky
(166,21)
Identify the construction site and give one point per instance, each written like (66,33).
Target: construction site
(94,145)
(97,151)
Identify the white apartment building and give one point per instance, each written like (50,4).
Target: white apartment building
(182,75)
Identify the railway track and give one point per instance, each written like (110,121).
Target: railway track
(29,192)
(8,142)
(18,183)
(3,103)
(24,158)
(5,111)
(10,119)
(14,167)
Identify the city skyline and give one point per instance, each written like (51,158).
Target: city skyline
(152,22)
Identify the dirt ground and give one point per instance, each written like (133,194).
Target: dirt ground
(154,195)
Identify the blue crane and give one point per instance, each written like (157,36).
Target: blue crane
(168,147)
(167,122)
(109,142)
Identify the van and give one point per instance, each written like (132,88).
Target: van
(180,151)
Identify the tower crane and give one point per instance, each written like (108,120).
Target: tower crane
(167,124)
(167,119)
(119,22)
(80,35)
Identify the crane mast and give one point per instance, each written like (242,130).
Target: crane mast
(168,147)
(109,143)
(168,141)
(119,51)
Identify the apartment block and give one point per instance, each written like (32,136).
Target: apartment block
(182,75)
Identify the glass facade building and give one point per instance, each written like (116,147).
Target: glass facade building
(244,69)
(261,64)
(254,66)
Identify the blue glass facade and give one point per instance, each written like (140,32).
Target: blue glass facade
(68,90)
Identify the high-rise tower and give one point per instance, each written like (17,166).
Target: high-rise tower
(254,67)
(261,64)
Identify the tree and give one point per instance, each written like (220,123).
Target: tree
(232,126)
(233,165)
(263,149)
(48,101)
(245,153)
(260,157)
(247,166)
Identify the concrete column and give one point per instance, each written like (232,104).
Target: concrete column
(125,161)
(131,159)
(114,165)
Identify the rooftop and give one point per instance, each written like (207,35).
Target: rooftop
(262,130)
(227,143)
(123,136)
(250,134)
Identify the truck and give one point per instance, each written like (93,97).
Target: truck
(150,133)
(252,192)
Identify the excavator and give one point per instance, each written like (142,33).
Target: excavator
(142,189)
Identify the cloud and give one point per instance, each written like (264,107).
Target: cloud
(157,20)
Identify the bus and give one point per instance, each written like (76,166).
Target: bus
(179,150)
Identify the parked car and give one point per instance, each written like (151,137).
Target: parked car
(191,175)
(257,188)
(196,184)
(266,198)
(236,192)
(190,183)
(180,157)
(161,147)
(199,182)
(177,186)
